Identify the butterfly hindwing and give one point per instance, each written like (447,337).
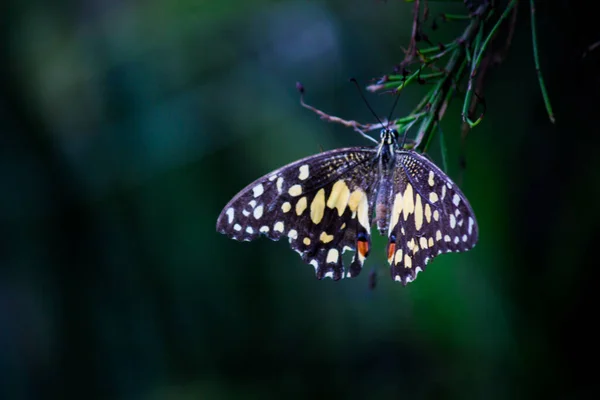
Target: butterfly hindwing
(430,216)
(322,204)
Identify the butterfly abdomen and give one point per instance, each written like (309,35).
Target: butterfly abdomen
(382,203)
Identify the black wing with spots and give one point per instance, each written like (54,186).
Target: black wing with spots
(430,216)
(322,203)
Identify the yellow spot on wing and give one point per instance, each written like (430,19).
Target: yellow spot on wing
(430,180)
(423,242)
(317,207)
(285,207)
(363,213)
(339,197)
(325,238)
(408,206)
(295,190)
(396,210)
(278,226)
(306,241)
(355,199)
(438,235)
(407,261)
(427,213)
(436,215)
(398,256)
(430,242)
(301,206)
(433,197)
(418,213)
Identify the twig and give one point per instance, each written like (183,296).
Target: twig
(477,56)
(501,55)
(357,126)
(536,60)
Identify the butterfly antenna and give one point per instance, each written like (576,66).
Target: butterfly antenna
(362,96)
(393,107)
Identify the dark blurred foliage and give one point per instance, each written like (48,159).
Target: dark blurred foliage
(125,127)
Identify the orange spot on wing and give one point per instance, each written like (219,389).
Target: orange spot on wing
(391,251)
(363,248)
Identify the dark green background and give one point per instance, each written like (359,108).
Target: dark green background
(125,127)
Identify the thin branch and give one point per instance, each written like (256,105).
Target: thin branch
(411,52)
(501,54)
(536,60)
(357,126)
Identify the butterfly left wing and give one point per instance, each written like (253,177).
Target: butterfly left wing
(322,203)
(430,216)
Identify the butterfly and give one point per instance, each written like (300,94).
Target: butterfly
(326,204)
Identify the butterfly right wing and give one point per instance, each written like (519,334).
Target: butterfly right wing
(430,216)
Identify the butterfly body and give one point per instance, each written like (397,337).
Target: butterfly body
(324,205)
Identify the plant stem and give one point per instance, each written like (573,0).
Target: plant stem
(537,64)
(478,54)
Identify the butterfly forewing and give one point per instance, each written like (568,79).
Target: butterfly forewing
(430,216)
(322,204)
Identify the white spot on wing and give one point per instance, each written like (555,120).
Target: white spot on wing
(264,229)
(332,256)
(293,234)
(328,274)
(272,177)
(258,190)
(250,230)
(452,221)
(258,212)
(279,185)
(252,203)
(456,200)
(246,213)
(230,212)
(237,227)
(471,223)
(303,172)
(315,264)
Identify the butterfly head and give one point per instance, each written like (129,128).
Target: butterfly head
(389,136)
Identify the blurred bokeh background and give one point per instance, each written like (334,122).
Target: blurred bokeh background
(126,126)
